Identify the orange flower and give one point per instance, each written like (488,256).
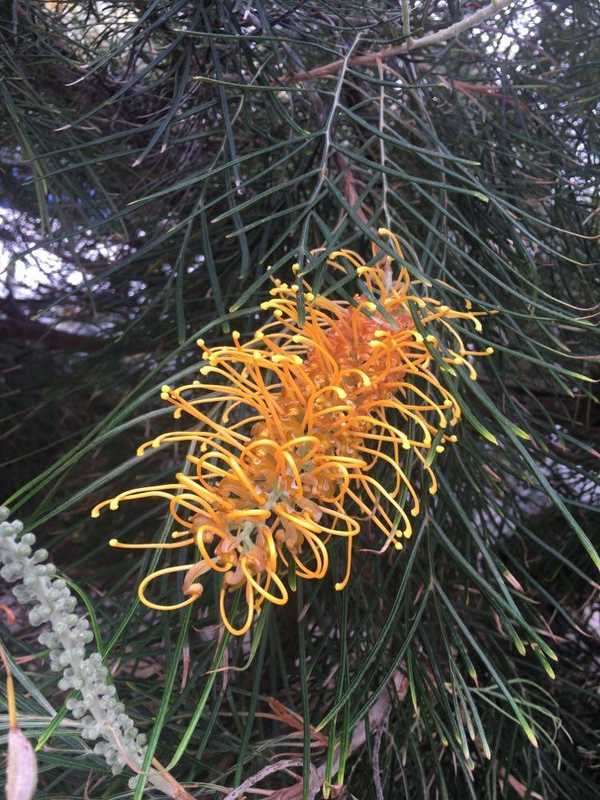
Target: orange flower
(314,412)
(263,499)
(383,353)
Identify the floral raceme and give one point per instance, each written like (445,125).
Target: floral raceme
(308,432)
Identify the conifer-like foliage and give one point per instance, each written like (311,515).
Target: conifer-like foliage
(163,165)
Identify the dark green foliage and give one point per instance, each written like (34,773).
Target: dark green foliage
(156,157)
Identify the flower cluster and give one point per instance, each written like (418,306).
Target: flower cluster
(318,414)
(102,716)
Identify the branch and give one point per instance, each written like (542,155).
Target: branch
(408,46)
(39,334)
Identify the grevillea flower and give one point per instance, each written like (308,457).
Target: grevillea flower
(320,418)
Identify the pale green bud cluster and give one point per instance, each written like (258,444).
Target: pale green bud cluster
(66,635)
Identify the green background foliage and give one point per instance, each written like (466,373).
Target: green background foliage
(159,161)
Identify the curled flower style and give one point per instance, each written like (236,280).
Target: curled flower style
(320,417)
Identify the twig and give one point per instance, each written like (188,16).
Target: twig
(376,770)
(263,773)
(405,18)
(331,118)
(407,46)
(384,179)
